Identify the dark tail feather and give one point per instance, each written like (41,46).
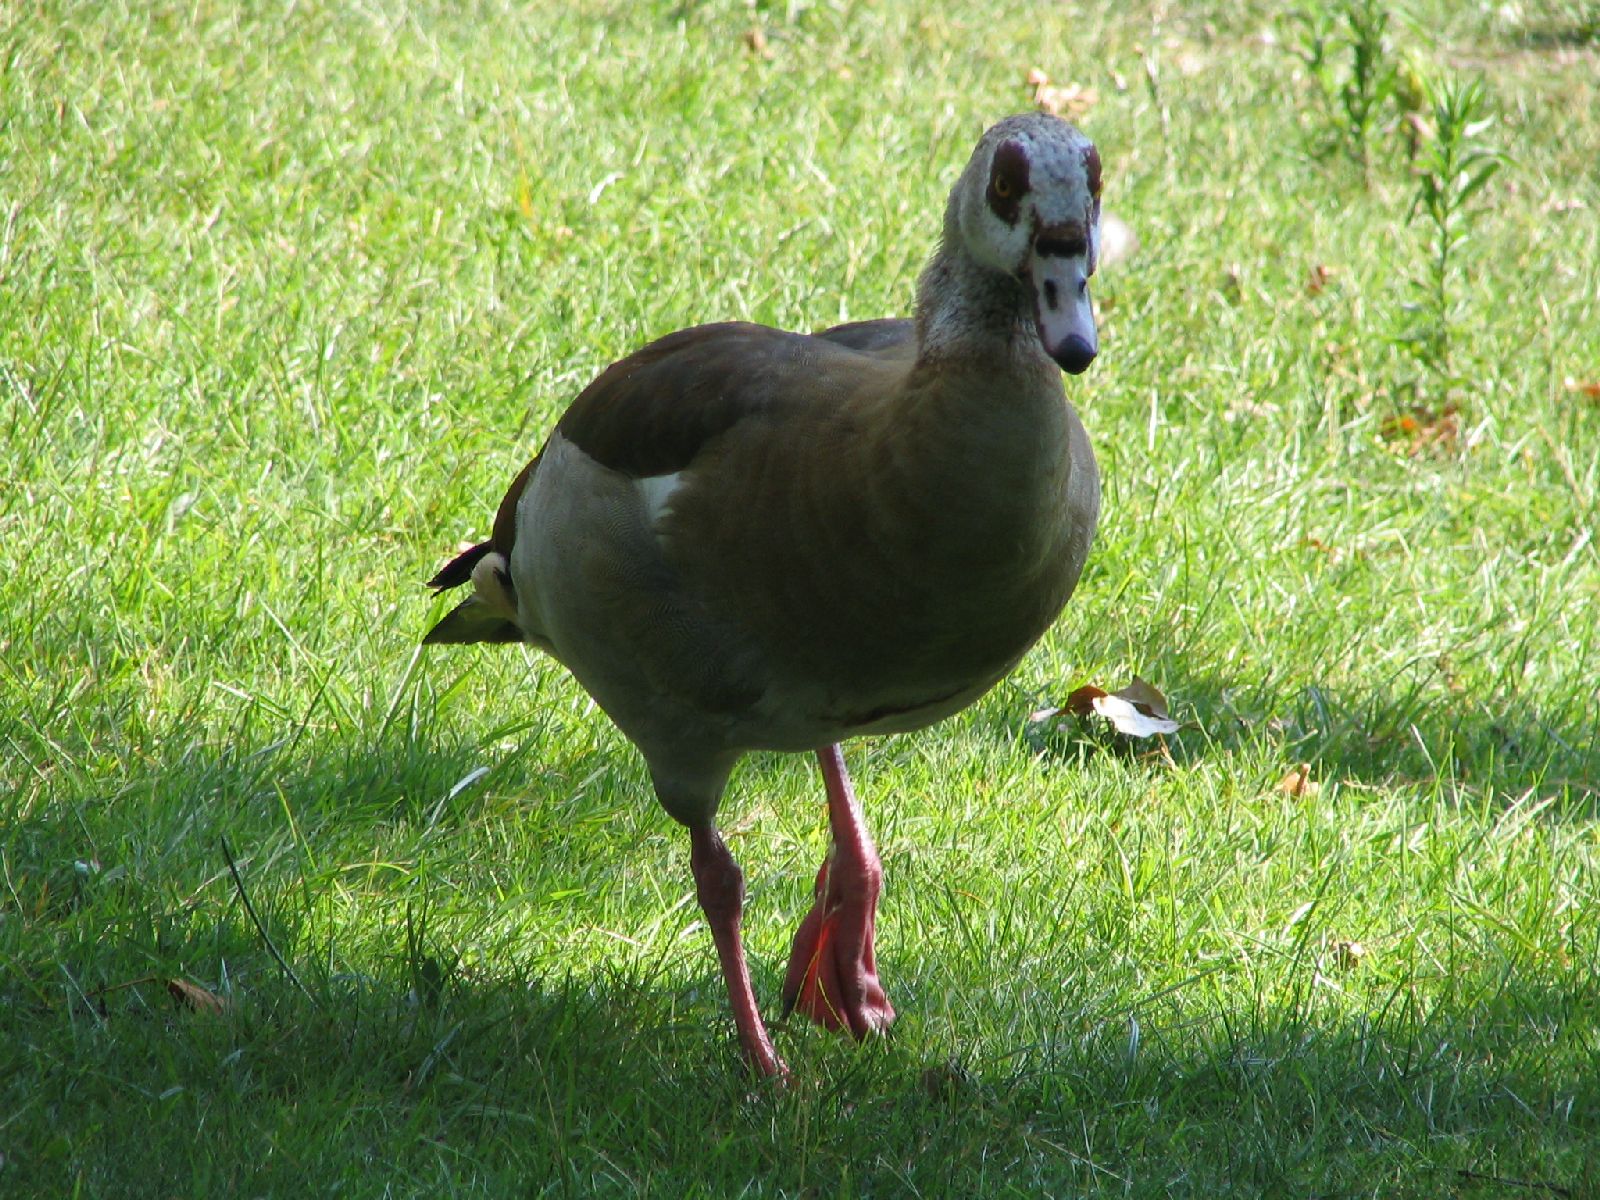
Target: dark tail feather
(459,569)
(472,621)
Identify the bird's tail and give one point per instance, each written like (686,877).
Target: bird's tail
(490,613)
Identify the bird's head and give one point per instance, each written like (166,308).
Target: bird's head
(1028,205)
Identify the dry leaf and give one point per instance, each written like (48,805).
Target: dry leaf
(1131,719)
(1298,782)
(1347,956)
(1425,429)
(1070,101)
(1080,701)
(1064,100)
(195,998)
(1138,710)
(755,41)
(1146,696)
(1589,390)
(1319,277)
(1565,206)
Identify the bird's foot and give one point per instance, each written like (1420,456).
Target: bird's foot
(833,974)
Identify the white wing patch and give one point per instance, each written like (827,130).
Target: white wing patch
(486,576)
(656,492)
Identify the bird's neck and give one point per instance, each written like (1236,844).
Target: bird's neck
(982,375)
(986,424)
(971,314)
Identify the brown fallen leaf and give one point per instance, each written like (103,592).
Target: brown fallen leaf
(1318,278)
(1060,100)
(1424,429)
(1298,782)
(196,998)
(1080,700)
(1146,696)
(1138,710)
(755,41)
(1347,956)
(1131,719)
(1589,390)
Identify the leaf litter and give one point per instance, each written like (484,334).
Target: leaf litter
(196,998)
(1138,710)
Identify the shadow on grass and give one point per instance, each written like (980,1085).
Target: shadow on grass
(426,1073)
(1552,34)
(614,1084)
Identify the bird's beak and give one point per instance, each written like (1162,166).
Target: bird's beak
(1065,314)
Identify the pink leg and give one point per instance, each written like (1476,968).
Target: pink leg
(720,888)
(833,972)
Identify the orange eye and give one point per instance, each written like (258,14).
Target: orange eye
(1002,187)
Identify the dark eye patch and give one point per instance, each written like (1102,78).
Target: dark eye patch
(1008,181)
(1068,246)
(1091,168)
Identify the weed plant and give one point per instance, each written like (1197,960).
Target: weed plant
(1454,166)
(1345,45)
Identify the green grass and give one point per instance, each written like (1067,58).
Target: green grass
(289,292)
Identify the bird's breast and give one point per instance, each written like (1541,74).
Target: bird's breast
(888,575)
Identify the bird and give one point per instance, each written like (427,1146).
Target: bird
(739,538)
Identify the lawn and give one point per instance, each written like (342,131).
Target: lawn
(289,292)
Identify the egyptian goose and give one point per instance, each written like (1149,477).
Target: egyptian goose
(743,539)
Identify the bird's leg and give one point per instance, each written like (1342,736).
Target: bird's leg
(719,885)
(833,972)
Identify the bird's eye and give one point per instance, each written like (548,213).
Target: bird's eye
(1002,187)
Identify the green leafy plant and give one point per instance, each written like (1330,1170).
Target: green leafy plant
(1453,165)
(1346,48)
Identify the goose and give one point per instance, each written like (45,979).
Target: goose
(739,538)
